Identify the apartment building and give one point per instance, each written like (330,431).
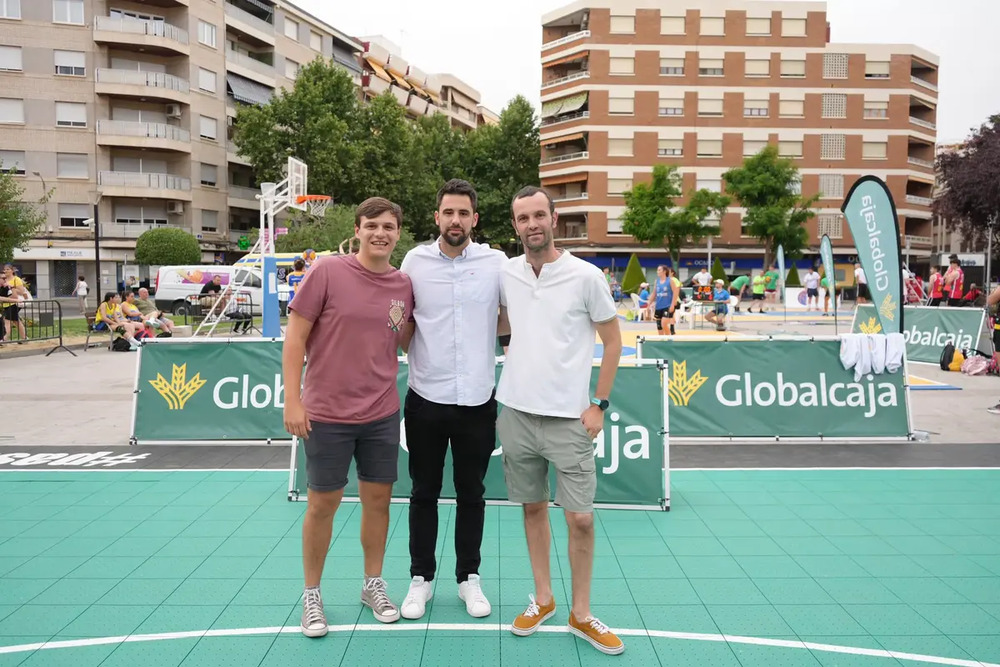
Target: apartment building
(627,84)
(125,109)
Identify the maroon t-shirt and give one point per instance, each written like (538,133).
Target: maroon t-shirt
(358,318)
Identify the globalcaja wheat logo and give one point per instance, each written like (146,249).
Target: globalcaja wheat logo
(888,308)
(681,387)
(179,390)
(870,327)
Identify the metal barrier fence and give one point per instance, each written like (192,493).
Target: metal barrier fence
(200,307)
(42,320)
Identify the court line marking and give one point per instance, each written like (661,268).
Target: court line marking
(495,627)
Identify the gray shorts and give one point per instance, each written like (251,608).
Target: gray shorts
(330,448)
(530,443)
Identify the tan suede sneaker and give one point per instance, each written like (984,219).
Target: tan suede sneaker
(598,634)
(528,621)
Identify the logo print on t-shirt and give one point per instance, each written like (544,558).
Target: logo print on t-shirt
(397,313)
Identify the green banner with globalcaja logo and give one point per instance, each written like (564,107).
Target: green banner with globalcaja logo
(771,388)
(222,392)
(928,329)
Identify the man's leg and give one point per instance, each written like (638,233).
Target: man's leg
(539,536)
(581,559)
(317,527)
(375,499)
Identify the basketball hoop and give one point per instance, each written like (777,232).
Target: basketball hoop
(315,204)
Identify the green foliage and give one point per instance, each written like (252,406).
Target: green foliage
(651,216)
(719,273)
(20,221)
(969,198)
(167,246)
(793,278)
(633,276)
(765,187)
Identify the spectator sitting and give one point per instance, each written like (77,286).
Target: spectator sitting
(972,296)
(644,303)
(153,317)
(720,295)
(231,307)
(109,317)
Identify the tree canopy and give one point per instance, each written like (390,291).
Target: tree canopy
(20,221)
(970,197)
(167,246)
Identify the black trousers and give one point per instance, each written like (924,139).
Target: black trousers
(472,433)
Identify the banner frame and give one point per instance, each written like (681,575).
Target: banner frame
(984,330)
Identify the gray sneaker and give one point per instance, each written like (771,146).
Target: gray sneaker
(313,618)
(373,595)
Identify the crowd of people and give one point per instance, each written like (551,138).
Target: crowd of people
(132,316)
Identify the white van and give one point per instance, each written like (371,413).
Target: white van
(175,284)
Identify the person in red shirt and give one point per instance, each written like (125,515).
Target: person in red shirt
(348,316)
(937,287)
(953,282)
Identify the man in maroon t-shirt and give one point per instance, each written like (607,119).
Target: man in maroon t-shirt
(348,316)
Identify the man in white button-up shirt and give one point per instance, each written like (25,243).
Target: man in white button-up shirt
(456,290)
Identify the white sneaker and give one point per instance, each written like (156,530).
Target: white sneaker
(475,602)
(415,604)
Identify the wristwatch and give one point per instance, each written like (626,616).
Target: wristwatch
(602,403)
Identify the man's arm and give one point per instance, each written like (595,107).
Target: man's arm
(406,336)
(293,357)
(503,322)
(610,334)
(994,297)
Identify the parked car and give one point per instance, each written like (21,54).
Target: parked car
(175,284)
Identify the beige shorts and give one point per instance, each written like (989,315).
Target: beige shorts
(530,443)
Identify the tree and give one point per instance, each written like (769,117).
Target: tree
(969,198)
(167,246)
(718,272)
(766,187)
(793,277)
(651,217)
(633,276)
(20,221)
(436,157)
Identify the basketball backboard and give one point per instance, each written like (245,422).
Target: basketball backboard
(298,183)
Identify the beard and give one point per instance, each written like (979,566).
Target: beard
(455,241)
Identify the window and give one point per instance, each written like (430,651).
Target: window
(710,67)
(11,111)
(709,106)
(74,215)
(10,59)
(619,147)
(208,128)
(670,148)
(793,27)
(10,9)
(291,69)
(12,161)
(622,24)
(710,184)
(615,226)
(209,174)
(617,186)
(67,11)
(751,148)
(835,65)
(831,186)
(832,146)
(755,108)
(791,108)
(876,109)
(623,65)
(709,148)
(71,114)
(672,107)
(874,150)
(621,105)
(72,165)
(875,69)
(134,214)
(713,26)
(790,148)
(291,29)
(672,25)
(793,68)
(831,225)
(315,41)
(834,105)
(206,34)
(207,80)
(758,68)
(671,66)
(758,26)
(70,63)
(209,221)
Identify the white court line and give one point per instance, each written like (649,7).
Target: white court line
(495,627)
(284,471)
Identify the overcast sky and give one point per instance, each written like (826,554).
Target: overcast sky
(495,46)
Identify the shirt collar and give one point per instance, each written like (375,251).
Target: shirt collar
(440,253)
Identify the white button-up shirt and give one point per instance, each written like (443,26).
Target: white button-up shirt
(452,355)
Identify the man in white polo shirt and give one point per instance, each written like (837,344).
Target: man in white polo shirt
(555,302)
(456,293)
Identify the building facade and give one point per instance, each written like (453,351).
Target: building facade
(628,84)
(125,110)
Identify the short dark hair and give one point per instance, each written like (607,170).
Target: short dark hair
(376,206)
(531,191)
(457,186)
(109,295)
(299,264)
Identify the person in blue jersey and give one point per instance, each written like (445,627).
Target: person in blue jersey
(720,295)
(295,276)
(666,296)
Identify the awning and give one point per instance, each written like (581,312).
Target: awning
(400,80)
(550,109)
(568,59)
(420,91)
(560,180)
(379,72)
(248,91)
(563,105)
(563,139)
(347,60)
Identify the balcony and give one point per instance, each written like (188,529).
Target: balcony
(920,163)
(583,34)
(417,105)
(923,123)
(251,68)
(567,157)
(147,85)
(919,201)
(923,82)
(143,135)
(155,37)
(243,197)
(122,230)
(566,79)
(146,185)
(374,84)
(233,155)
(565,119)
(248,24)
(912,240)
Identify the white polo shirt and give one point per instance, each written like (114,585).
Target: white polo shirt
(552,322)
(452,356)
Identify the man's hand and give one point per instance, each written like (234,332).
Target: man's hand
(593,420)
(296,419)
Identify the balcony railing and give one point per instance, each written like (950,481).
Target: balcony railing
(566,79)
(248,18)
(912,239)
(140,27)
(923,82)
(130,179)
(566,40)
(138,78)
(123,128)
(923,123)
(920,163)
(128,230)
(919,201)
(582,155)
(244,60)
(566,118)
(576,197)
(241,192)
